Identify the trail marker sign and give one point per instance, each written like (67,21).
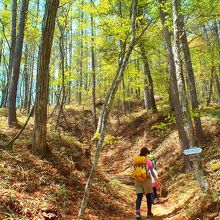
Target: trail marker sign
(193,150)
(193,154)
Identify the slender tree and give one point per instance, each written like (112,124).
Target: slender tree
(93,72)
(13,33)
(217,75)
(174,88)
(62,65)
(81,56)
(12,118)
(149,99)
(179,73)
(191,82)
(212,68)
(26,79)
(107,107)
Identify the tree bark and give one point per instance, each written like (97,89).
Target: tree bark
(210,85)
(63,63)
(31,70)
(179,73)
(12,118)
(93,74)
(39,144)
(13,34)
(81,57)
(3,81)
(70,64)
(62,58)
(124,104)
(174,88)
(148,82)
(1,51)
(192,84)
(26,80)
(212,67)
(215,28)
(218,86)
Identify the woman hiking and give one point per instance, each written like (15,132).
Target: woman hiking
(143,169)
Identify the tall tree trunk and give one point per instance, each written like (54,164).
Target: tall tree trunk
(210,85)
(39,144)
(93,74)
(218,51)
(175,94)
(31,70)
(218,86)
(13,34)
(32,64)
(137,78)
(147,73)
(170,96)
(63,62)
(1,51)
(192,84)
(212,67)
(12,118)
(5,79)
(179,73)
(70,64)
(81,56)
(62,58)
(147,103)
(124,104)
(106,110)
(2,81)
(26,79)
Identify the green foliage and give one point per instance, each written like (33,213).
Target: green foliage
(110,140)
(164,126)
(211,113)
(215,167)
(195,113)
(96,136)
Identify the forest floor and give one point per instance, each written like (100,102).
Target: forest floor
(52,188)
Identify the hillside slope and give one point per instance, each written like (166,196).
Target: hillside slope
(52,188)
(184,199)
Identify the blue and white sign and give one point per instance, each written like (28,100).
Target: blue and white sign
(193,150)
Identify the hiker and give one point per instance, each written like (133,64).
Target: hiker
(143,169)
(155,185)
(151,157)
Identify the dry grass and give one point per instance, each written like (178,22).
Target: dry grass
(29,185)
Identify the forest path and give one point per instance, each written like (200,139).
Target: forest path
(162,210)
(116,160)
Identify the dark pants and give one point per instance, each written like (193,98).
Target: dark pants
(155,192)
(139,199)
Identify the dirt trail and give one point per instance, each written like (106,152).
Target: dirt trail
(164,210)
(117,161)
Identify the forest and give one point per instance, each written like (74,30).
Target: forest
(84,85)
